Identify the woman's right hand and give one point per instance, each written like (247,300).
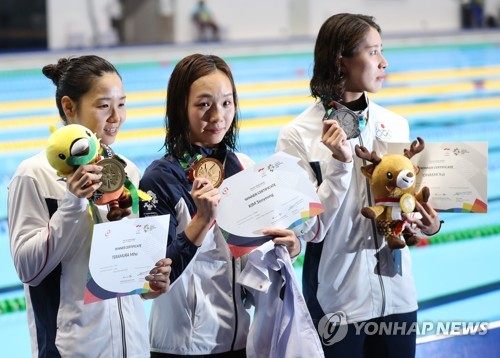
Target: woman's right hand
(334,137)
(84,180)
(206,198)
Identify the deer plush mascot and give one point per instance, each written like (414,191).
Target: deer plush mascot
(392,180)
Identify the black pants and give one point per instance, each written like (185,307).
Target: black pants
(369,339)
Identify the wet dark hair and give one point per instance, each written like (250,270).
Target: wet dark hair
(340,35)
(74,77)
(187,71)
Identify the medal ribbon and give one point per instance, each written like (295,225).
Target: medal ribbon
(132,189)
(187,162)
(134,194)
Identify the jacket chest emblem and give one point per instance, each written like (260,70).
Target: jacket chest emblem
(382,131)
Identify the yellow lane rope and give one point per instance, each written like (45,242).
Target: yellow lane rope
(475,79)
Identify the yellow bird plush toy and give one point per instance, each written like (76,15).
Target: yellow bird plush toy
(73,145)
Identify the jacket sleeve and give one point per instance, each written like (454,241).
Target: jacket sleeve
(179,249)
(39,242)
(331,187)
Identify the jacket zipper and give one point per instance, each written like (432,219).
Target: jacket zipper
(97,219)
(124,341)
(376,238)
(234,305)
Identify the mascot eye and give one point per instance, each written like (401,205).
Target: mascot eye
(62,156)
(389,175)
(88,134)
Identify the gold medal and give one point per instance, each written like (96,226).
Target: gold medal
(113,175)
(211,169)
(408,203)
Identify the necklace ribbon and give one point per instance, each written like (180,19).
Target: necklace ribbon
(187,162)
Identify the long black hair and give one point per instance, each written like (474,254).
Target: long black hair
(187,71)
(339,36)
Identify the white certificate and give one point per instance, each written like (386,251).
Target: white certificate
(455,172)
(273,193)
(122,254)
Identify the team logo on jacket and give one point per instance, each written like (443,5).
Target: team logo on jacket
(382,132)
(332,328)
(151,204)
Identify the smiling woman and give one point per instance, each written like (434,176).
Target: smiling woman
(50,225)
(201,125)
(96,102)
(448,88)
(211,109)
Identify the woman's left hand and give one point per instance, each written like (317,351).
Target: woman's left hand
(429,223)
(285,237)
(159,279)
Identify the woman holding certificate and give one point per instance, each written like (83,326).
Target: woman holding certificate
(50,228)
(349,271)
(204,313)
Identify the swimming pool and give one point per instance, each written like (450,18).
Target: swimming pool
(448,93)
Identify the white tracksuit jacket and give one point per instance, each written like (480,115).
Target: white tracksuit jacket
(342,272)
(50,240)
(204,311)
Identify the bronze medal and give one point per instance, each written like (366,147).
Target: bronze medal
(113,175)
(348,121)
(211,169)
